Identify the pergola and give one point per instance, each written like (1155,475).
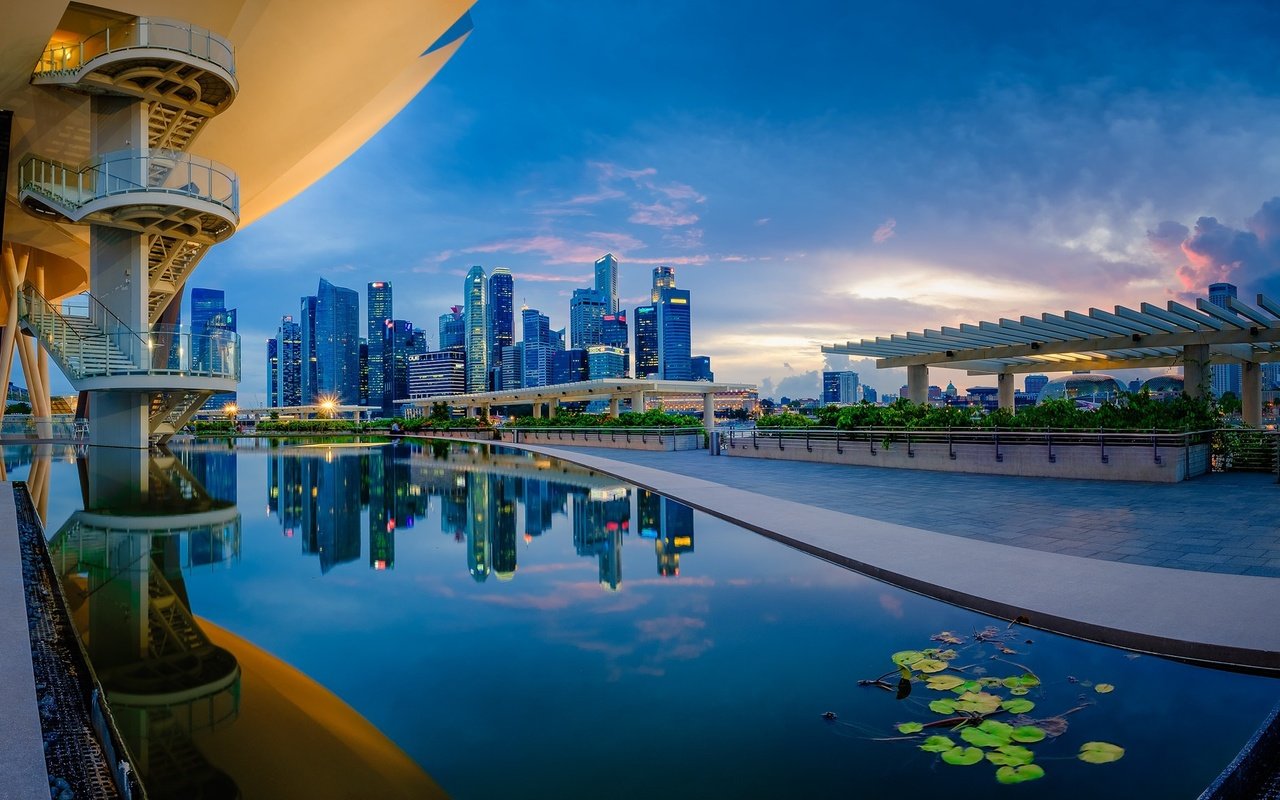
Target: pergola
(611,389)
(1122,339)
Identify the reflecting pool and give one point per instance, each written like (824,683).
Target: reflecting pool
(293,618)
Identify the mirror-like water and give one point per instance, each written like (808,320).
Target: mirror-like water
(295,618)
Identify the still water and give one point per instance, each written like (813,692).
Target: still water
(299,618)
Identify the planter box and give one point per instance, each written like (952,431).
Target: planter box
(1090,462)
(619,439)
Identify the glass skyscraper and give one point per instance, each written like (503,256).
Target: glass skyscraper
(273,369)
(309,388)
(614,334)
(607,282)
(537,347)
(287,390)
(1225,377)
(377,312)
(646,341)
(338,343)
(587,308)
(502,322)
(476,313)
(674,330)
(205,303)
(663,278)
(453,330)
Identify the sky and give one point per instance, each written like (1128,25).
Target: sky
(815,172)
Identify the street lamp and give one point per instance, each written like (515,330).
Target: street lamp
(230,411)
(327,406)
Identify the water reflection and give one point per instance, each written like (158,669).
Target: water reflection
(319,494)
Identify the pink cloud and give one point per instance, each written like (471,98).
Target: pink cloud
(885,232)
(661,216)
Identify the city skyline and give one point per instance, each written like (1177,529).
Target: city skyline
(887,191)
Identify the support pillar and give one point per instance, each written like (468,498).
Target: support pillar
(1195,369)
(1005,386)
(613,407)
(552,408)
(709,411)
(918,383)
(1251,394)
(537,410)
(637,403)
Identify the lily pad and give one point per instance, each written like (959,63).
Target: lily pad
(1027,734)
(962,756)
(1014,754)
(947,655)
(1104,688)
(996,728)
(1100,752)
(930,665)
(1017,706)
(943,706)
(979,738)
(989,681)
(977,702)
(1020,774)
(937,744)
(947,637)
(942,683)
(1016,681)
(1019,691)
(906,657)
(910,727)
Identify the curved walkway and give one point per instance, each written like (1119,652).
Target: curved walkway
(1188,612)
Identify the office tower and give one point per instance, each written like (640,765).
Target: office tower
(700,366)
(869,395)
(537,347)
(1225,377)
(646,341)
(453,330)
(674,335)
(399,341)
(1271,376)
(557,339)
(614,334)
(436,373)
(839,387)
(309,386)
(219,341)
(205,303)
(513,366)
(287,389)
(502,323)
(569,366)
(586,317)
(1034,383)
(476,311)
(663,278)
(338,343)
(604,361)
(377,311)
(273,370)
(607,281)
(364,371)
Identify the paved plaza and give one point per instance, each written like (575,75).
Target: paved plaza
(1228,523)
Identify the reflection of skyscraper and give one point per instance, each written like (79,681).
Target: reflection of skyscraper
(215,470)
(476,311)
(675,536)
(504,527)
(396,501)
(599,520)
(479,526)
(338,511)
(453,508)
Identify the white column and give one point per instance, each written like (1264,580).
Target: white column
(1005,386)
(637,403)
(552,407)
(613,406)
(918,383)
(1195,369)
(709,411)
(537,410)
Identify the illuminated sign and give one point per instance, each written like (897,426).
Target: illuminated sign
(678,301)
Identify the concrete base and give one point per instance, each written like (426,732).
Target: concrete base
(620,439)
(1026,460)
(120,419)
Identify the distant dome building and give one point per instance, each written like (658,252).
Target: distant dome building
(1087,386)
(1164,386)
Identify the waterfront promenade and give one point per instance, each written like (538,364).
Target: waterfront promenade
(1189,570)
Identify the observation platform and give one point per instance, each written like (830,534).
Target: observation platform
(1187,570)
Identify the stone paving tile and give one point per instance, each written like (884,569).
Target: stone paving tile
(1228,522)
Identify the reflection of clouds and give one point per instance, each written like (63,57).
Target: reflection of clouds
(664,628)
(676,580)
(565,594)
(679,637)
(891,604)
(564,566)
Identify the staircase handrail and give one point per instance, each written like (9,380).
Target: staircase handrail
(97,179)
(157,33)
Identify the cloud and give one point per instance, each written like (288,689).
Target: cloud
(1214,251)
(885,232)
(661,216)
(760,223)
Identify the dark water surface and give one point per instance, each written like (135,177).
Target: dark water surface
(524,628)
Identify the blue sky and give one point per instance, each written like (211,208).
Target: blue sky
(816,172)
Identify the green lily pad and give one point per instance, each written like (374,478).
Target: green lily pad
(989,681)
(1019,691)
(962,756)
(930,665)
(937,744)
(977,702)
(1021,774)
(905,657)
(1104,688)
(1016,754)
(1100,752)
(996,728)
(942,683)
(910,727)
(943,706)
(1017,706)
(1028,734)
(979,738)
(1016,681)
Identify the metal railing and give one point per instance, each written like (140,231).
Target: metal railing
(145,32)
(616,434)
(123,172)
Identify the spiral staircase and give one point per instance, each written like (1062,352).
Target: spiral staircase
(168,78)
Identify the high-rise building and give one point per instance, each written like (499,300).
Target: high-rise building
(868,394)
(513,366)
(218,339)
(309,385)
(364,371)
(646,341)
(436,373)
(205,303)
(1225,377)
(587,308)
(288,387)
(273,370)
(399,341)
(839,387)
(674,320)
(476,312)
(663,278)
(569,366)
(337,343)
(537,347)
(700,366)
(604,361)
(502,323)
(607,282)
(453,330)
(1034,383)
(377,312)
(614,334)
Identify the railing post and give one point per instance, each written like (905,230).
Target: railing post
(1102,447)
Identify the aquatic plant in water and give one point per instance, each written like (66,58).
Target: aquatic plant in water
(984,717)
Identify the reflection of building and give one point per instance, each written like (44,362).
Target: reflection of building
(479,526)
(670,525)
(599,520)
(503,514)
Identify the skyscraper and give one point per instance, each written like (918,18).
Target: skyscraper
(1034,383)
(204,304)
(1225,377)
(399,340)
(213,342)
(364,372)
(569,366)
(604,361)
(586,317)
(537,347)
(288,386)
(614,334)
(377,311)
(308,386)
(273,370)
(476,313)
(453,330)
(663,278)
(674,335)
(840,387)
(513,366)
(700,367)
(646,341)
(502,324)
(338,343)
(607,282)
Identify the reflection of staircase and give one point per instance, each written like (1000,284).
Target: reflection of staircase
(170,410)
(173,629)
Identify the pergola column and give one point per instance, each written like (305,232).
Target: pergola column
(918,383)
(1195,369)
(537,410)
(552,408)
(1251,394)
(637,403)
(613,407)
(709,411)
(1004,383)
